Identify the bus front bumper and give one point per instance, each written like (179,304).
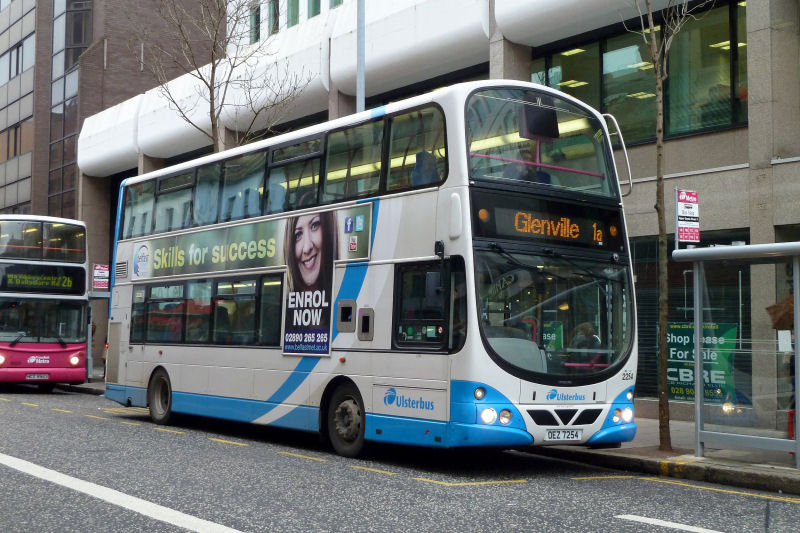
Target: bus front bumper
(43,375)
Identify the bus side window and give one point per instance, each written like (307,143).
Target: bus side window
(206,195)
(243,181)
(269,329)
(276,191)
(173,201)
(139,200)
(416,149)
(303,181)
(353,162)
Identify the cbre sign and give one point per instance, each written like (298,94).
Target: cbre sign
(687,216)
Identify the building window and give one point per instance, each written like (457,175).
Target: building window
(706,88)
(629,87)
(72,34)
(313,8)
(16,140)
(255,23)
(335,3)
(292,13)
(274,13)
(575,72)
(699,83)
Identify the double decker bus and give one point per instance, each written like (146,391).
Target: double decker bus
(43,300)
(449,270)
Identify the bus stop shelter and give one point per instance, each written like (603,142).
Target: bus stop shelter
(723,419)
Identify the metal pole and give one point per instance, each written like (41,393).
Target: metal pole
(796,355)
(699,388)
(360,56)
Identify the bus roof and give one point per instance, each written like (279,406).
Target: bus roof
(452,91)
(43,218)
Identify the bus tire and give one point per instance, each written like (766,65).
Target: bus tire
(346,421)
(159,397)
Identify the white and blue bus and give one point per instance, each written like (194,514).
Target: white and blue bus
(449,270)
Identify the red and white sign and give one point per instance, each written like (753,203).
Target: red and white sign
(100,277)
(687,216)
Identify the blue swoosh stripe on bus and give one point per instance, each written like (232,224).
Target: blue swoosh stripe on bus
(378,112)
(293,382)
(113,268)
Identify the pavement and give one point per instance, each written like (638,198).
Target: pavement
(764,470)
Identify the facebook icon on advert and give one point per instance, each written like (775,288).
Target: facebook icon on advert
(348,225)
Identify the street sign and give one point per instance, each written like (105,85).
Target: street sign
(100,277)
(687,216)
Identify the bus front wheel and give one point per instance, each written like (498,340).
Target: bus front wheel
(159,397)
(346,421)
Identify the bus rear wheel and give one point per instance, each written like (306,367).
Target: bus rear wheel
(159,397)
(346,421)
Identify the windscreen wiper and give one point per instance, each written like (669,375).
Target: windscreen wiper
(61,341)
(19,338)
(578,266)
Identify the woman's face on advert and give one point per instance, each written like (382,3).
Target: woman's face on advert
(308,247)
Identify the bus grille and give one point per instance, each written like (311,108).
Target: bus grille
(544,417)
(121,270)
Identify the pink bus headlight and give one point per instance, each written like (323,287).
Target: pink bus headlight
(75,359)
(2,359)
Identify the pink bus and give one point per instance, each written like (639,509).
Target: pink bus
(44,312)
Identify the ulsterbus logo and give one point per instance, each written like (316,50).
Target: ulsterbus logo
(390,396)
(141,260)
(39,360)
(398,400)
(555,395)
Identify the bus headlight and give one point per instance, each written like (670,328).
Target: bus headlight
(617,416)
(504,417)
(2,359)
(488,415)
(627,415)
(480,392)
(629,396)
(74,360)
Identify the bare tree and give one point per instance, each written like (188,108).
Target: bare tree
(234,73)
(658,38)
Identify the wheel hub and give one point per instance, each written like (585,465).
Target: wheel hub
(348,420)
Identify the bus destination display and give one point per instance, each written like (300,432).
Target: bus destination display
(547,221)
(42,278)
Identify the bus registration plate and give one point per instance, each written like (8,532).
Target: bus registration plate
(555,435)
(37,376)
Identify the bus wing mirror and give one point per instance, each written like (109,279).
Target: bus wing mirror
(618,132)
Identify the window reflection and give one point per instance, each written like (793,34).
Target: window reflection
(575,72)
(630,87)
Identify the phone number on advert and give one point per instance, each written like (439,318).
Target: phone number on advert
(305,337)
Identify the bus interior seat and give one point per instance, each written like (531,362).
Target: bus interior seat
(424,169)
